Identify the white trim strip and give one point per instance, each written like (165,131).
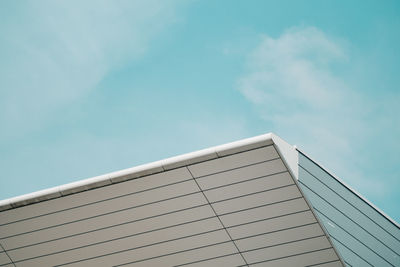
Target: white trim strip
(138,171)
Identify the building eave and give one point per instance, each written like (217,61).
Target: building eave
(151,168)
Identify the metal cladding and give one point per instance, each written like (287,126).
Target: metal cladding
(241,204)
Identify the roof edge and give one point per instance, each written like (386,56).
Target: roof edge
(289,153)
(290,157)
(351,189)
(138,171)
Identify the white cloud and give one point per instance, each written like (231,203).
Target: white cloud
(294,84)
(293,67)
(55,52)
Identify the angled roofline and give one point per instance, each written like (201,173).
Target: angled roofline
(150,168)
(349,188)
(290,158)
(288,153)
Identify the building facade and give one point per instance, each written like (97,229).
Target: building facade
(254,202)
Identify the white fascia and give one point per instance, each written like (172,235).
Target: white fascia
(288,152)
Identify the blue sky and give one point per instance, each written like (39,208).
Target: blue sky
(90,87)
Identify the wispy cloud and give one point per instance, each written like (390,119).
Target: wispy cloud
(62,50)
(295,83)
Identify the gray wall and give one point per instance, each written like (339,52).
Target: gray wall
(362,235)
(235,210)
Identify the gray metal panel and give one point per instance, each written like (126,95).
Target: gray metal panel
(257,204)
(197,257)
(98,209)
(231,260)
(350,218)
(146,243)
(114,238)
(233,161)
(305,259)
(4,259)
(145,170)
(272,225)
(279,237)
(249,186)
(131,255)
(257,199)
(349,256)
(330,264)
(94,224)
(94,196)
(353,199)
(245,204)
(118,231)
(350,239)
(264,212)
(346,219)
(240,174)
(140,228)
(286,250)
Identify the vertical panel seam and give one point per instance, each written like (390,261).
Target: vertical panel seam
(209,203)
(311,207)
(7,254)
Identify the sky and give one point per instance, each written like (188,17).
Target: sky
(90,87)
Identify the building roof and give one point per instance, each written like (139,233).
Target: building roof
(286,149)
(240,203)
(233,204)
(138,171)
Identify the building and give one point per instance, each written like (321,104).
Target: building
(255,202)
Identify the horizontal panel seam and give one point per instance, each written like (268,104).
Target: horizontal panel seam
(208,259)
(350,190)
(254,193)
(373,221)
(337,240)
(353,236)
(239,152)
(103,214)
(188,250)
(236,168)
(8,256)
(349,218)
(115,239)
(130,249)
(325,262)
(265,176)
(142,176)
(292,255)
(115,225)
(167,213)
(124,195)
(96,202)
(154,230)
(171,240)
(275,231)
(172,253)
(285,243)
(244,181)
(270,218)
(260,206)
(216,214)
